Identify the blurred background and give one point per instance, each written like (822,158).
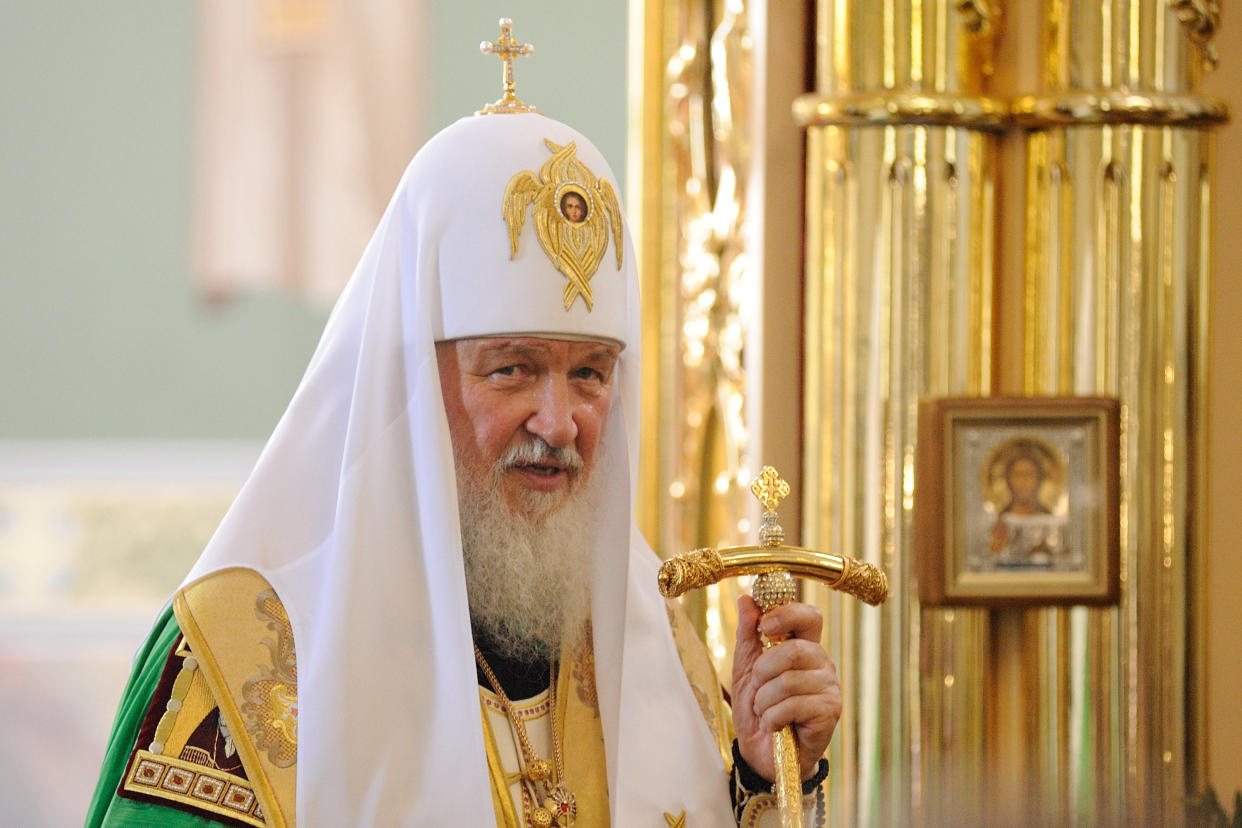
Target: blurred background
(186,187)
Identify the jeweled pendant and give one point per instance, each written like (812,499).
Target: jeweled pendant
(562,805)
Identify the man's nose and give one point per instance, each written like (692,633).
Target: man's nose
(553,417)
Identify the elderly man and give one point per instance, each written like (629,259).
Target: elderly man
(429,604)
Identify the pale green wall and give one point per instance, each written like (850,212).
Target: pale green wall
(101,336)
(576,75)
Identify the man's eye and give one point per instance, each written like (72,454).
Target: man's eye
(588,374)
(507,371)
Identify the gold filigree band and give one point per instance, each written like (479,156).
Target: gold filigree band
(690,570)
(865,582)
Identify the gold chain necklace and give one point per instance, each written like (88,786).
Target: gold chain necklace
(559,807)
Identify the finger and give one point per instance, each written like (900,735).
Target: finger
(813,717)
(793,620)
(747,646)
(794,654)
(793,683)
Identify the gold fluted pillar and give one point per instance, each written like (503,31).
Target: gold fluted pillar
(1014,716)
(1117,263)
(901,158)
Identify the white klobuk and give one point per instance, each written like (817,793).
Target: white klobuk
(351,513)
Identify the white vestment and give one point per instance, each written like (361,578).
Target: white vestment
(351,515)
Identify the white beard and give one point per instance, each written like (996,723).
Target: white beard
(528,574)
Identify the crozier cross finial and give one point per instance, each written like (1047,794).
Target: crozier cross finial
(769,488)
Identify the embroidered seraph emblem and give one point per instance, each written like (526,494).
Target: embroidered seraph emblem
(574,212)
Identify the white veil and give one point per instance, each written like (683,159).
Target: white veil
(351,515)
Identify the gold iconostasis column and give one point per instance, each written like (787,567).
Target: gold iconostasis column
(901,164)
(1117,261)
(1097,286)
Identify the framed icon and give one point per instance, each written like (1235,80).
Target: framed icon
(1016,501)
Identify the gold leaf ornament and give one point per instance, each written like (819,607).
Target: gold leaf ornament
(574,212)
(271,698)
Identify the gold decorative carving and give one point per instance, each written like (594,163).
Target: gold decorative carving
(1200,19)
(862,580)
(708,98)
(573,234)
(507,49)
(698,274)
(691,570)
(271,706)
(979,16)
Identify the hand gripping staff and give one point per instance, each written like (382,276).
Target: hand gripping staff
(774,564)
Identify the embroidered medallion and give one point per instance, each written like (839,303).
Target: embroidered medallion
(574,212)
(271,706)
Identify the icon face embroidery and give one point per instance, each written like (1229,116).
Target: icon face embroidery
(574,212)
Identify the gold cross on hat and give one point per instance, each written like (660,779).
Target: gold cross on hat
(507,49)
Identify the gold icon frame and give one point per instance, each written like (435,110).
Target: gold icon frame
(972,546)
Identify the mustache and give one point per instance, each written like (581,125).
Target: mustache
(536,451)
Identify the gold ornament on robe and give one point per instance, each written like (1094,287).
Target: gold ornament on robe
(271,698)
(574,212)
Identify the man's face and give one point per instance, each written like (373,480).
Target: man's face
(1024,479)
(500,393)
